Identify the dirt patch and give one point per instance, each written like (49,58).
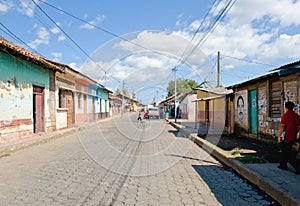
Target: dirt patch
(249,146)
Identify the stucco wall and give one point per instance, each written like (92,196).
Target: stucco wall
(241,108)
(16,96)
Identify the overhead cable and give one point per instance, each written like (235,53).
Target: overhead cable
(249,61)
(11,34)
(211,28)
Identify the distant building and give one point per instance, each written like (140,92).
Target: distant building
(215,111)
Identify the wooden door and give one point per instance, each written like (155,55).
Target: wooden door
(252,111)
(38,109)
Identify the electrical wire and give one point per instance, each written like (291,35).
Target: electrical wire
(101,29)
(249,61)
(68,36)
(77,45)
(195,33)
(211,28)
(11,34)
(117,36)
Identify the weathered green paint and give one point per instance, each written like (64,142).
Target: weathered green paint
(252,111)
(16,92)
(22,72)
(102,94)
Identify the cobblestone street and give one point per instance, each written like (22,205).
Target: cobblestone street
(66,172)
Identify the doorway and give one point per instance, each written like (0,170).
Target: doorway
(252,112)
(38,109)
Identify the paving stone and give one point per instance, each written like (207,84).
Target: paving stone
(61,172)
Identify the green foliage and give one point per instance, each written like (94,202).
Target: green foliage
(237,152)
(249,159)
(118,91)
(182,86)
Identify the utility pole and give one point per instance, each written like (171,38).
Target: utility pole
(219,81)
(123,98)
(175,93)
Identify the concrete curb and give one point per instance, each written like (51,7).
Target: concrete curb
(256,179)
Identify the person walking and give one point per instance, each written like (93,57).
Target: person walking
(289,127)
(139,117)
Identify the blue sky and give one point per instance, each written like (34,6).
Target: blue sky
(154,35)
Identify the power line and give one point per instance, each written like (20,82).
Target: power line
(249,61)
(115,35)
(77,45)
(99,28)
(11,34)
(211,28)
(195,33)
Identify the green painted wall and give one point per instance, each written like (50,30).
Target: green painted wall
(24,72)
(16,101)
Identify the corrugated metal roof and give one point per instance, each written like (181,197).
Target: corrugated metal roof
(295,64)
(217,90)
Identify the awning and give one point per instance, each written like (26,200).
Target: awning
(209,98)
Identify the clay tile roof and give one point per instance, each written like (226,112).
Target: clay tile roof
(26,55)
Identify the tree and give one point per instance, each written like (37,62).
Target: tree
(182,86)
(118,91)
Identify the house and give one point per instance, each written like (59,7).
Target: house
(27,93)
(215,111)
(187,107)
(38,95)
(91,100)
(259,102)
(129,104)
(80,98)
(65,87)
(115,105)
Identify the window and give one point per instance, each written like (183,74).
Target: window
(79,101)
(275,99)
(62,98)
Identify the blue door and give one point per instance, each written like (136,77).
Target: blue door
(252,112)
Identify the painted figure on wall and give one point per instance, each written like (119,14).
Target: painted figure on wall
(240,108)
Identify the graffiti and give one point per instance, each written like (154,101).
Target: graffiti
(240,108)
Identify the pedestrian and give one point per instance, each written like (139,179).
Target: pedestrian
(289,127)
(139,118)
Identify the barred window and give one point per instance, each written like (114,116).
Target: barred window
(62,98)
(275,99)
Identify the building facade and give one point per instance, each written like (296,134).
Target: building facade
(259,103)
(27,93)
(38,95)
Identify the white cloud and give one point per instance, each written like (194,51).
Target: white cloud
(26,7)
(5,6)
(254,32)
(61,38)
(43,37)
(150,64)
(285,12)
(57,56)
(55,30)
(73,65)
(91,24)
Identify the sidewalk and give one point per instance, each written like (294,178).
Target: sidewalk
(283,186)
(41,138)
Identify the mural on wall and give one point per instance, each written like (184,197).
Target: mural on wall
(241,105)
